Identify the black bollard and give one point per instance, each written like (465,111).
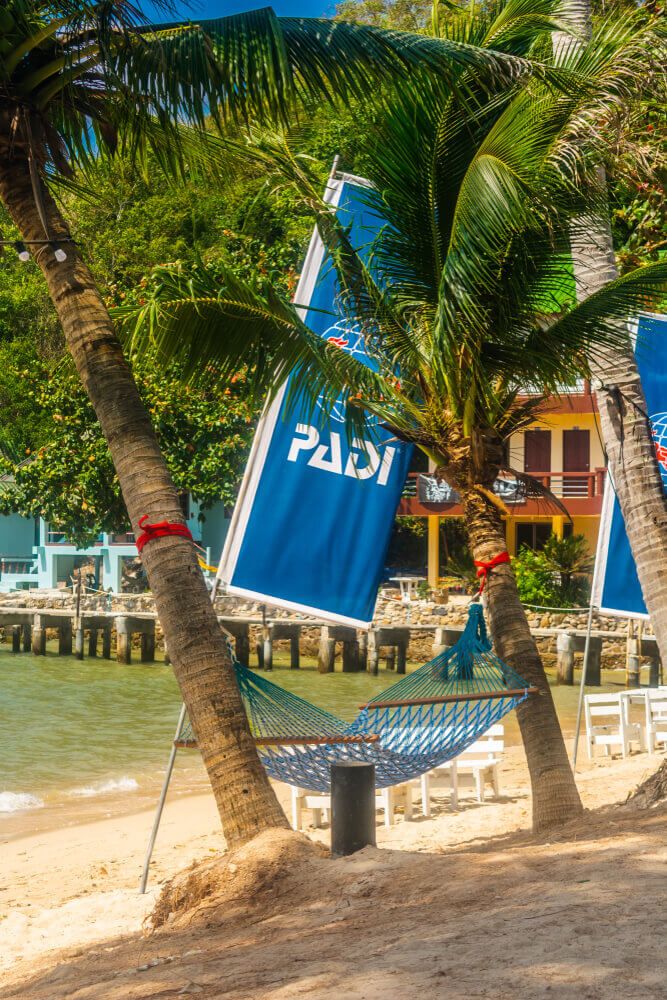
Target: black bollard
(352,807)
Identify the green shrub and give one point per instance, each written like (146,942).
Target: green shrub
(556,576)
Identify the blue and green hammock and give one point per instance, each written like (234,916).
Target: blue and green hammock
(425,719)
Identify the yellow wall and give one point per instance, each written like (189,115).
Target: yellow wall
(557,423)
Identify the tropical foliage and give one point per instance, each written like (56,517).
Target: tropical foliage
(556,575)
(77,77)
(66,474)
(134,222)
(471,300)
(464,300)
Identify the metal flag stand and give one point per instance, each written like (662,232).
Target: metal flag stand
(167,778)
(582,684)
(160,805)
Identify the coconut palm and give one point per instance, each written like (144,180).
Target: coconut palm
(80,75)
(626,433)
(468,301)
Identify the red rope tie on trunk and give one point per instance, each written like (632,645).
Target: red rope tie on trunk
(161,529)
(486,567)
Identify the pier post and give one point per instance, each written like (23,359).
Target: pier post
(649,649)
(349,656)
(16,638)
(148,646)
(326,655)
(123,641)
(439,644)
(291,631)
(634,664)
(594,667)
(401,656)
(38,637)
(65,638)
(92,642)
(565,642)
(267,648)
(362,650)
(654,672)
(242,646)
(391,658)
(373,653)
(294,651)
(106,642)
(27,637)
(79,639)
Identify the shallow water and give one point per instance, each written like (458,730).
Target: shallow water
(74,731)
(79,728)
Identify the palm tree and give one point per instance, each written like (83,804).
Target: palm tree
(469,302)
(626,433)
(80,75)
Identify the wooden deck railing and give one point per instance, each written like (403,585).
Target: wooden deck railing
(564,485)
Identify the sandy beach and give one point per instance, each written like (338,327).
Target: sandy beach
(66,891)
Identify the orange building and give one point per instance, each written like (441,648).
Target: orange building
(563,449)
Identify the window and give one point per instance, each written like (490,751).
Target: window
(533,535)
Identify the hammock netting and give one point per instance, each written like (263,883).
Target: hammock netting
(427,718)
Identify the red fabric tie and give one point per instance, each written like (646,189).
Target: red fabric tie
(486,567)
(160,529)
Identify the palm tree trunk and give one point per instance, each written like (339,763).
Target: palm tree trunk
(244,796)
(625,430)
(555,796)
(626,434)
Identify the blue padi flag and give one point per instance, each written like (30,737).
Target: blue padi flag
(311,527)
(616,587)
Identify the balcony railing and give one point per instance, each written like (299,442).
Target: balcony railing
(564,485)
(60,538)
(18,566)
(125,538)
(573,485)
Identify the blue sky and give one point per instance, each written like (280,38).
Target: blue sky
(289,8)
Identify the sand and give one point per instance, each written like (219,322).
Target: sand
(461,905)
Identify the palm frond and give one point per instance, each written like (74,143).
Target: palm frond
(601,321)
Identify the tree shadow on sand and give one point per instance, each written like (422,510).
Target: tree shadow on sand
(517,917)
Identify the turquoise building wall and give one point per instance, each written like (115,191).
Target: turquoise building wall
(33,558)
(17,536)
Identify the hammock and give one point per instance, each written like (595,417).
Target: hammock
(422,721)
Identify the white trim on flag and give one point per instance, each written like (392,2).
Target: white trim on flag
(266,425)
(602,556)
(327,616)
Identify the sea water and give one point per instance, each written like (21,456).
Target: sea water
(83,735)
(76,730)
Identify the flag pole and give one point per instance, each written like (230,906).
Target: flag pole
(582,684)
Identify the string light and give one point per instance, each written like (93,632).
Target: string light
(23,251)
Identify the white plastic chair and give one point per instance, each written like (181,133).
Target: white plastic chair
(608,724)
(386,799)
(656,717)
(475,767)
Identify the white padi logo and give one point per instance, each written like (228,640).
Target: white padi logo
(365,461)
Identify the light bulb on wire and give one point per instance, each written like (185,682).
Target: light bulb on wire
(22,251)
(59,254)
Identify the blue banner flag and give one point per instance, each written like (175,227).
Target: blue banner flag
(312,524)
(616,588)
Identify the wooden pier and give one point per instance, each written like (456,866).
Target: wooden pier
(133,636)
